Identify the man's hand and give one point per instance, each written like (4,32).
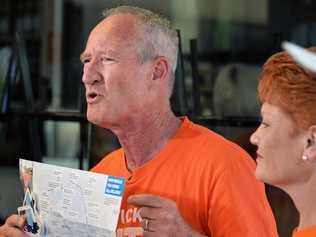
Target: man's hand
(13,227)
(161,217)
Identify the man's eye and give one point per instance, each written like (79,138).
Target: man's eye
(85,60)
(107,59)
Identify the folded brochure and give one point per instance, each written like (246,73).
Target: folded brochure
(62,201)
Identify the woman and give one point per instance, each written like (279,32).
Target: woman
(286,137)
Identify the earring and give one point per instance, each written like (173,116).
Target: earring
(304,157)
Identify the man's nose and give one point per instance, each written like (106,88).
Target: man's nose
(91,74)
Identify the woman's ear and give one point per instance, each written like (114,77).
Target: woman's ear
(310,150)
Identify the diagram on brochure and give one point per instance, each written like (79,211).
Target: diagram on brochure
(66,202)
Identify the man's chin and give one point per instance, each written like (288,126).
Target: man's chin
(93,119)
(98,121)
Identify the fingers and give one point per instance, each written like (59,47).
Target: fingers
(13,227)
(160,216)
(145,225)
(16,221)
(148,212)
(12,232)
(146,200)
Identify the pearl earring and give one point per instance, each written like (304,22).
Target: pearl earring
(304,157)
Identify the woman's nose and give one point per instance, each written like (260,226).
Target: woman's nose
(254,138)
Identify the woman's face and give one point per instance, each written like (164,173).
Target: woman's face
(280,150)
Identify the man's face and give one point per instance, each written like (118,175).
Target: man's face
(117,84)
(279,149)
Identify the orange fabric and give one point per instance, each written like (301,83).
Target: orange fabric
(307,232)
(211,179)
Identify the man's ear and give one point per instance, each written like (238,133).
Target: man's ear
(161,68)
(310,150)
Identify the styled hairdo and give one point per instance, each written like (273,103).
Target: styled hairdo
(286,84)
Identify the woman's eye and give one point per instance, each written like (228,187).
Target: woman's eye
(264,124)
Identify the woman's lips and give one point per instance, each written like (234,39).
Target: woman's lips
(259,156)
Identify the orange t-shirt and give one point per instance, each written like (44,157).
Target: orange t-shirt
(306,232)
(210,178)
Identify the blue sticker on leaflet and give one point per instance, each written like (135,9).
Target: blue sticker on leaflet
(115,186)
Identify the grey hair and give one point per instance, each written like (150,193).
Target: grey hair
(157,35)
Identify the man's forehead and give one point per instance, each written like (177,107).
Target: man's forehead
(109,45)
(113,35)
(113,31)
(119,25)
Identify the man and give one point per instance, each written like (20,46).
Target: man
(181,178)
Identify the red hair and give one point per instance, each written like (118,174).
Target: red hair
(285,84)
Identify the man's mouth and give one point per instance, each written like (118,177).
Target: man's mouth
(92,97)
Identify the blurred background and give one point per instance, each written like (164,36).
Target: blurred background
(224,44)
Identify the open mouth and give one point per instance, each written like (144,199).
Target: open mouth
(92,95)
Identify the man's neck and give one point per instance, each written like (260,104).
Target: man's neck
(142,139)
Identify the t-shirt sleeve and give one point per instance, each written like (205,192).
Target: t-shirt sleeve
(238,204)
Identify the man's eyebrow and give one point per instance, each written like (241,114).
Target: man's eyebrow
(83,56)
